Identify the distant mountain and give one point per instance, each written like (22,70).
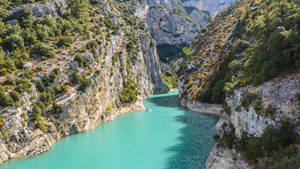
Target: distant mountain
(213,6)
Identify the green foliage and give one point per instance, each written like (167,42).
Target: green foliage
(37,111)
(170,77)
(76,78)
(5,100)
(13,42)
(258,105)
(48,96)
(168,53)
(64,42)
(129,92)
(248,99)
(81,60)
(43,51)
(85,83)
(22,85)
(274,143)
(77,8)
(298,97)
(270,110)
(15,95)
(115,58)
(40,86)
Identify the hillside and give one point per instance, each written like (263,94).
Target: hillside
(245,65)
(68,66)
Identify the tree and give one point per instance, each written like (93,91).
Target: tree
(13,42)
(77,8)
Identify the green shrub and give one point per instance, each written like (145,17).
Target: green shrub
(1,122)
(76,78)
(57,108)
(13,42)
(254,149)
(15,95)
(40,86)
(258,105)
(43,51)
(64,42)
(81,61)
(85,83)
(47,96)
(248,99)
(5,100)
(22,85)
(129,92)
(270,110)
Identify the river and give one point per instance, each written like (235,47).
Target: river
(164,136)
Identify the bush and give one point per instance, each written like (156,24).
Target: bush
(43,51)
(15,95)
(64,42)
(76,78)
(81,60)
(129,92)
(5,100)
(47,96)
(13,42)
(254,149)
(248,99)
(85,83)
(270,110)
(40,86)
(22,85)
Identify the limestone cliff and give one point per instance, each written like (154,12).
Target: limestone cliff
(115,66)
(237,71)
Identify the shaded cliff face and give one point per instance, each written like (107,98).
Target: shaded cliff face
(94,78)
(170,22)
(239,62)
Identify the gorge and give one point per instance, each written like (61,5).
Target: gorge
(69,66)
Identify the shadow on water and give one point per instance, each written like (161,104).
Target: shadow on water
(196,138)
(195,141)
(165,101)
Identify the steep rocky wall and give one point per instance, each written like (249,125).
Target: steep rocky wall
(83,110)
(280,93)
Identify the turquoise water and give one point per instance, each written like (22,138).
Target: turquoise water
(165,136)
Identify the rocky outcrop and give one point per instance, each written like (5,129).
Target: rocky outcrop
(52,8)
(169,28)
(226,159)
(169,22)
(279,93)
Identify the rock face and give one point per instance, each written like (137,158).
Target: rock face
(279,93)
(226,159)
(170,23)
(52,8)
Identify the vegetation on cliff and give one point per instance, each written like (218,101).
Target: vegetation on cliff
(46,57)
(249,43)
